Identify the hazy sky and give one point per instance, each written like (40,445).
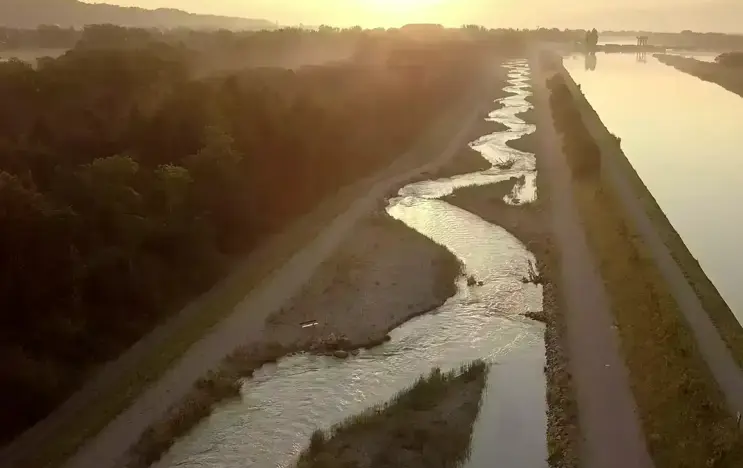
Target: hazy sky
(672,15)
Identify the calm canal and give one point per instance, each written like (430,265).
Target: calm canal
(684,137)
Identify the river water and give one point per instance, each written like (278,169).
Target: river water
(284,403)
(684,137)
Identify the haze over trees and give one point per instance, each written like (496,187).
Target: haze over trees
(130,181)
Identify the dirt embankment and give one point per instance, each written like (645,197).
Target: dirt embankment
(383,275)
(428,425)
(730,78)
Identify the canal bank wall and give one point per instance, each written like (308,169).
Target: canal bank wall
(718,333)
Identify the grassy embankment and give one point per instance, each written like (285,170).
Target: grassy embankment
(218,386)
(682,409)
(729,77)
(214,306)
(727,324)
(529,223)
(429,424)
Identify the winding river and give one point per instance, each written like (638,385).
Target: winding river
(284,403)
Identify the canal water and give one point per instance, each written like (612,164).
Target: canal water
(285,403)
(684,137)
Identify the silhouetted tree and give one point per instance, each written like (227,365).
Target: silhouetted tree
(592,39)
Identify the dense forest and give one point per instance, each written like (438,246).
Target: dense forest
(130,182)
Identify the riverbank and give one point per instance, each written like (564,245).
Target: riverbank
(629,48)
(429,424)
(682,409)
(729,77)
(382,275)
(723,317)
(529,224)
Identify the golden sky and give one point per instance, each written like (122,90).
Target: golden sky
(605,14)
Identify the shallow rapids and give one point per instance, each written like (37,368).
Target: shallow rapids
(284,403)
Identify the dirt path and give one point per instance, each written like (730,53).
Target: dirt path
(611,430)
(246,324)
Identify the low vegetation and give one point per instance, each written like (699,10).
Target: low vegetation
(682,409)
(429,424)
(726,72)
(216,387)
(731,59)
(207,392)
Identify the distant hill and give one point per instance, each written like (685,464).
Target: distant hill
(73,13)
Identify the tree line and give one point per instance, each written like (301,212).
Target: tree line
(130,182)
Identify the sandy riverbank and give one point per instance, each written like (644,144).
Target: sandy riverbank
(381,276)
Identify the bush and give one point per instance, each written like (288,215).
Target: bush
(584,155)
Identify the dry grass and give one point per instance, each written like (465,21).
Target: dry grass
(200,402)
(429,424)
(681,407)
(563,432)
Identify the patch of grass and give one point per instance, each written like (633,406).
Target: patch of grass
(563,432)
(209,391)
(429,424)
(682,408)
(199,404)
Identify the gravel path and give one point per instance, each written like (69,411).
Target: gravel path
(610,426)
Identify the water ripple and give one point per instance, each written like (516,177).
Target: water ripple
(284,403)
